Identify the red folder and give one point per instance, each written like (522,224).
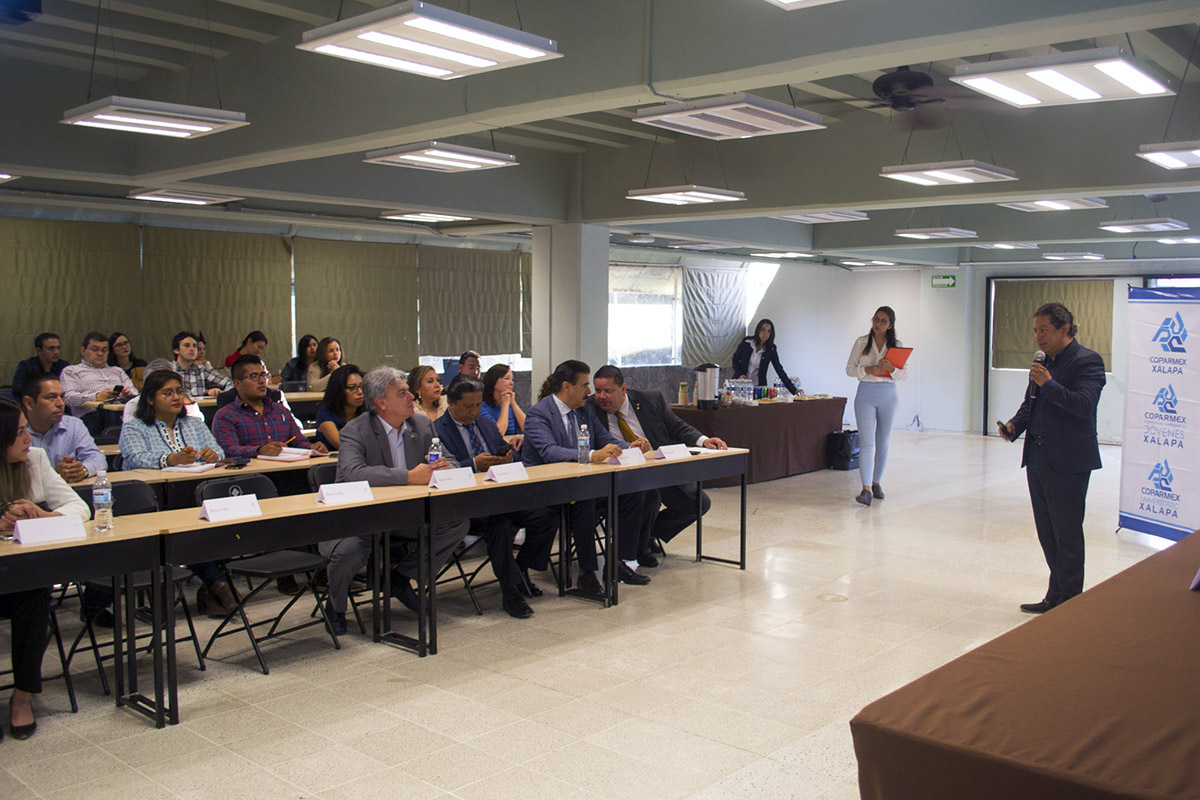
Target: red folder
(898,356)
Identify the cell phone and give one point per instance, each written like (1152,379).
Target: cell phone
(1003,428)
(505,450)
(118,388)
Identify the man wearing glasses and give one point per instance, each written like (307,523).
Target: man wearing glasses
(254,424)
(92,379)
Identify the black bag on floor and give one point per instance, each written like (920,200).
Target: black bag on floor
(842,450)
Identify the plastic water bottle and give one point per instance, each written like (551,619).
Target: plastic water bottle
(102,502)
(584,443)
(435,450)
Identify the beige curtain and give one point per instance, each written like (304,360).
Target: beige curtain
(1013,304)
(527,305)
(714,306)
(69,278)
(363,294)
(470,300)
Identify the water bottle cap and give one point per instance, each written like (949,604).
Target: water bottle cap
(101,473)
(436,440)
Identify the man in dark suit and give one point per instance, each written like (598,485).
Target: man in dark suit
(632,415)
(483,447)
(1058,418)
(552,428)
(388,447)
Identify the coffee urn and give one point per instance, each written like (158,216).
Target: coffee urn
(707,377)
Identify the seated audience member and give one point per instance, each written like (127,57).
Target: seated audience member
(198,380)
(253,345)
(27,484)
(254,424)
(343,401)
(46,347)
(631,415)
(482,446)
(189,405)
(202,351)
(329,358)
(66,440)
(296,369)
(427,389)
(500,401)
(468,364)
(160,436)
(551,435)
(388,446)
(93,379)
(120,354)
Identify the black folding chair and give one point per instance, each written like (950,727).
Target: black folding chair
(110,435)
(62,658)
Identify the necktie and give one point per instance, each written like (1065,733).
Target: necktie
(626,431)
(476,445)
(572,426)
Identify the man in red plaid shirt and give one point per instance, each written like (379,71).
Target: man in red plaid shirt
(254,424)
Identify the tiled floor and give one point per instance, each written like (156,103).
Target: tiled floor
(709,683)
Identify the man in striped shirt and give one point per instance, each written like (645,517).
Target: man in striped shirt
(93,379)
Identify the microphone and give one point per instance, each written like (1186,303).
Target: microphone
(1038,358)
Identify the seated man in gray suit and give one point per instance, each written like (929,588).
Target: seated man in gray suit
(387,447)
(632,415)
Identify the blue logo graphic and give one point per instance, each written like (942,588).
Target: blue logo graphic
(1166,399)
(1161,476)
(1172,334)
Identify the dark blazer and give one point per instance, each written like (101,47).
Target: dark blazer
(30,367)
(1067,406)
(454,444)
(365,455)
(659,423)
(770,355)
(546,439)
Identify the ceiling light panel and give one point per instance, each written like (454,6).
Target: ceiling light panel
(736,116)
(1144,225)
(1188,240)
(948,173)
(424,216)
(428,40)
(936,233)
(1085,76)
(6,177)
(1007,246)
(440,157)
(1172,155)
(698,246)
(685,195)
(792,5)
(132,115)
(782,255)
(1073,256)
(821,217)
(184,198)
(1070,204)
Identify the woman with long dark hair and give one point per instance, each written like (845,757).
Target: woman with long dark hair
(758,352)
(120,354)
(329,358)
(875,402)
(253,345)
(426,388)
(343,401)
(27,483)
(296,369)
(500,401)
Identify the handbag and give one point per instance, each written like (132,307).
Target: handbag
(842,450)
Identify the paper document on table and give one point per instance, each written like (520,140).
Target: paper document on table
(291,454)
(198,467)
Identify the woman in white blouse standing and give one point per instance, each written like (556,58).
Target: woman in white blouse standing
(875,402)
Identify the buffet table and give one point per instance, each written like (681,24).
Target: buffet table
(783,438)
(1096,699)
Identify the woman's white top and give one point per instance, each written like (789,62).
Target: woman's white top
(859,361)
(755,362)
(47,486)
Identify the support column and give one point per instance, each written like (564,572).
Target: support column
(570,297)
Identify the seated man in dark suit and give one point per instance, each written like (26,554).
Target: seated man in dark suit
(388,446)
(552,427)
(484,447)
(47,361)
(632,415)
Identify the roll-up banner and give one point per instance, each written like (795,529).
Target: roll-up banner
(1160,473)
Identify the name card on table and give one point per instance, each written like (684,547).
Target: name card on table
(223,509)
(459,478)
(672,452)
(339,494)
(629,457)
(507,473)
(49,529)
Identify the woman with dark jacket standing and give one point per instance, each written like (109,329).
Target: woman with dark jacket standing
(758,352)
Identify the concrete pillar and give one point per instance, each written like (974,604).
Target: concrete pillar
(570,297)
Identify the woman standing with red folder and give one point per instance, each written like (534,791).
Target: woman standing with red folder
(875,403)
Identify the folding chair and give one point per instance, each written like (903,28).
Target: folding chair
(63,660)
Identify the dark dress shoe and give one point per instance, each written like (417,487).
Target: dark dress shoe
(627,575)
(589,584)
(648,560)
(403,591)
(101,617)
(287,585)
(24,731)
(516,606)
(656,548)
(877,491)
(227,602)
(864,497)
(1040,607)
(337,622)
(528,587)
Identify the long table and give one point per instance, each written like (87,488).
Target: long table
(784,438)
(1095,699)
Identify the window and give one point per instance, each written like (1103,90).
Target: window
(1173,283)
(1015,300)
(645,316)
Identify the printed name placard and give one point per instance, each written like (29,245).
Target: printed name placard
(459,478)
(49,529)
(672,452)
(339,494)
(629,457)
(224,509)
(507,473)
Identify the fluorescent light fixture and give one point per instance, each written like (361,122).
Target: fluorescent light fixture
(1082,76)
(698,246)
(428,40)
(869,263)
(158,119)
(1007,246)
(423,216)
(782,255)
(1069,204)
(440,157)
(185,198)
(936,233)
(5,177)
(1144,225)
(1172,155)
(640,238)
(685,195)
(948,173)
(819,217)
(735,116)
(1188,240)
(792,5)
(1073,256)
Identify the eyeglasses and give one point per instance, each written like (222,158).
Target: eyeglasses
(169,393)
(121,344)
(256,376)
(881,320)
(355,389)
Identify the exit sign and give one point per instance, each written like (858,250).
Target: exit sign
(943,281)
